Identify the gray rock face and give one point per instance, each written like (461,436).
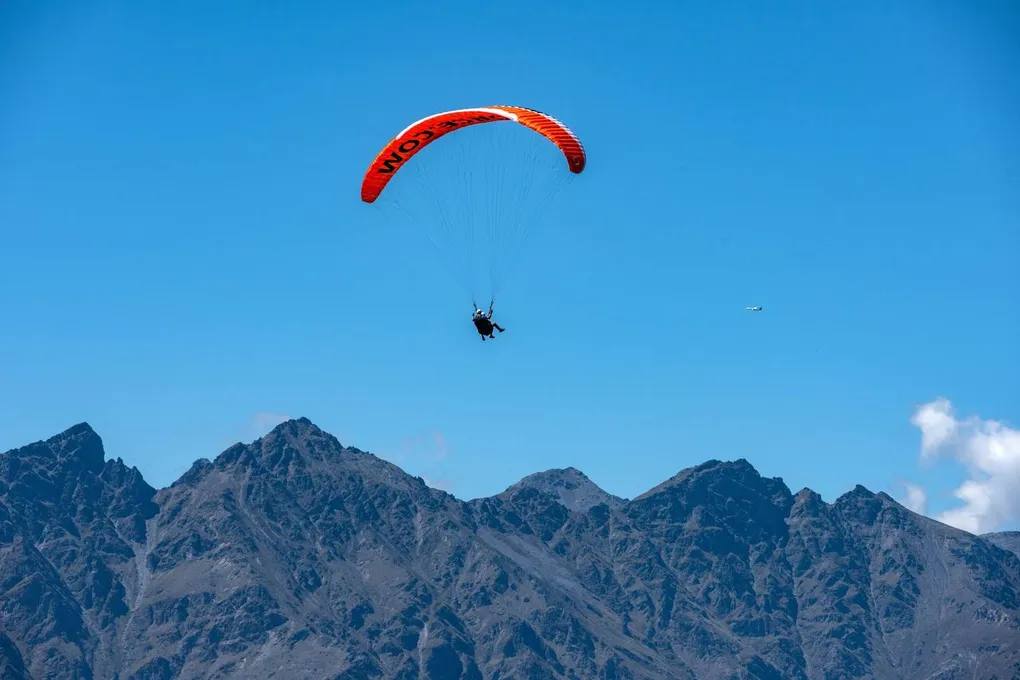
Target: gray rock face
(569,487)
(70,523)
(295,557)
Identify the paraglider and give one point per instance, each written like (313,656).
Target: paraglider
(484,323)
(477,196)
(756,308)
(416,136)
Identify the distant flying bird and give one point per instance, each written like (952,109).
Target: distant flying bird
(756,308)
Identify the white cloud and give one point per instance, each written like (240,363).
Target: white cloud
(937,424)
(990,451)
(916,499)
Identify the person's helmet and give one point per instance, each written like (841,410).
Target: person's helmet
(479,312)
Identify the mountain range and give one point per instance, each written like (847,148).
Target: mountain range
(297,557)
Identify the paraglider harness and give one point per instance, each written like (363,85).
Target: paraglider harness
(483,322)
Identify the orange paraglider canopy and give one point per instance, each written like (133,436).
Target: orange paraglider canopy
(420,134)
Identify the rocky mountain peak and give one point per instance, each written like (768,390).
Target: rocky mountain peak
(863,504)
(301,435)
(78,448)
(807,501)
(715,476)
(295,430)
(48,471)
(293,442)
(569,486)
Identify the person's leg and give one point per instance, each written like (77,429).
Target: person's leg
(498,327)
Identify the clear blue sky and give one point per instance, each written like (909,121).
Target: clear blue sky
(184,257)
